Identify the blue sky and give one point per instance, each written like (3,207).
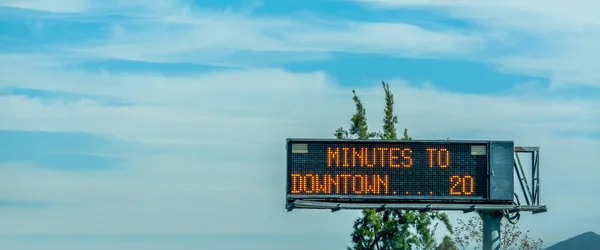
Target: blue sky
(170,116)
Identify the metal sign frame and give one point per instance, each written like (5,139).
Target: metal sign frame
(530,193)
(499,179)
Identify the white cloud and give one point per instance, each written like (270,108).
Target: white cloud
(225,130)
(543,16)
(171,106)
(202,33)
(171,31)
(555,39)
(64,6)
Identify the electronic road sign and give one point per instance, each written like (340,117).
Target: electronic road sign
(400,171)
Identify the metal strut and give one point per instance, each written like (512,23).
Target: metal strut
(532,195)
(522,179)
(531,192)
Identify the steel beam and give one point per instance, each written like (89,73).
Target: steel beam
(306,204)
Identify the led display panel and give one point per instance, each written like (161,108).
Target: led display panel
(387,170)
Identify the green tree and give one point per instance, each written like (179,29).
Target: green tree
(447,244)
(469,233)
(389,229)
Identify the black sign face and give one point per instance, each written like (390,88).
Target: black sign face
(387,170)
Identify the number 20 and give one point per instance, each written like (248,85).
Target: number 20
(468,185)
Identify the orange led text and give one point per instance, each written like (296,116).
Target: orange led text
(462,185)
(339,184)
(369,157)
(440,156)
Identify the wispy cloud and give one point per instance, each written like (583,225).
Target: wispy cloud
(538,38)
(540,15)
(175,106)
(190,36)
(554,39)
(60,6)
(171,32)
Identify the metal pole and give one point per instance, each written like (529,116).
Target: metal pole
(491,229)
